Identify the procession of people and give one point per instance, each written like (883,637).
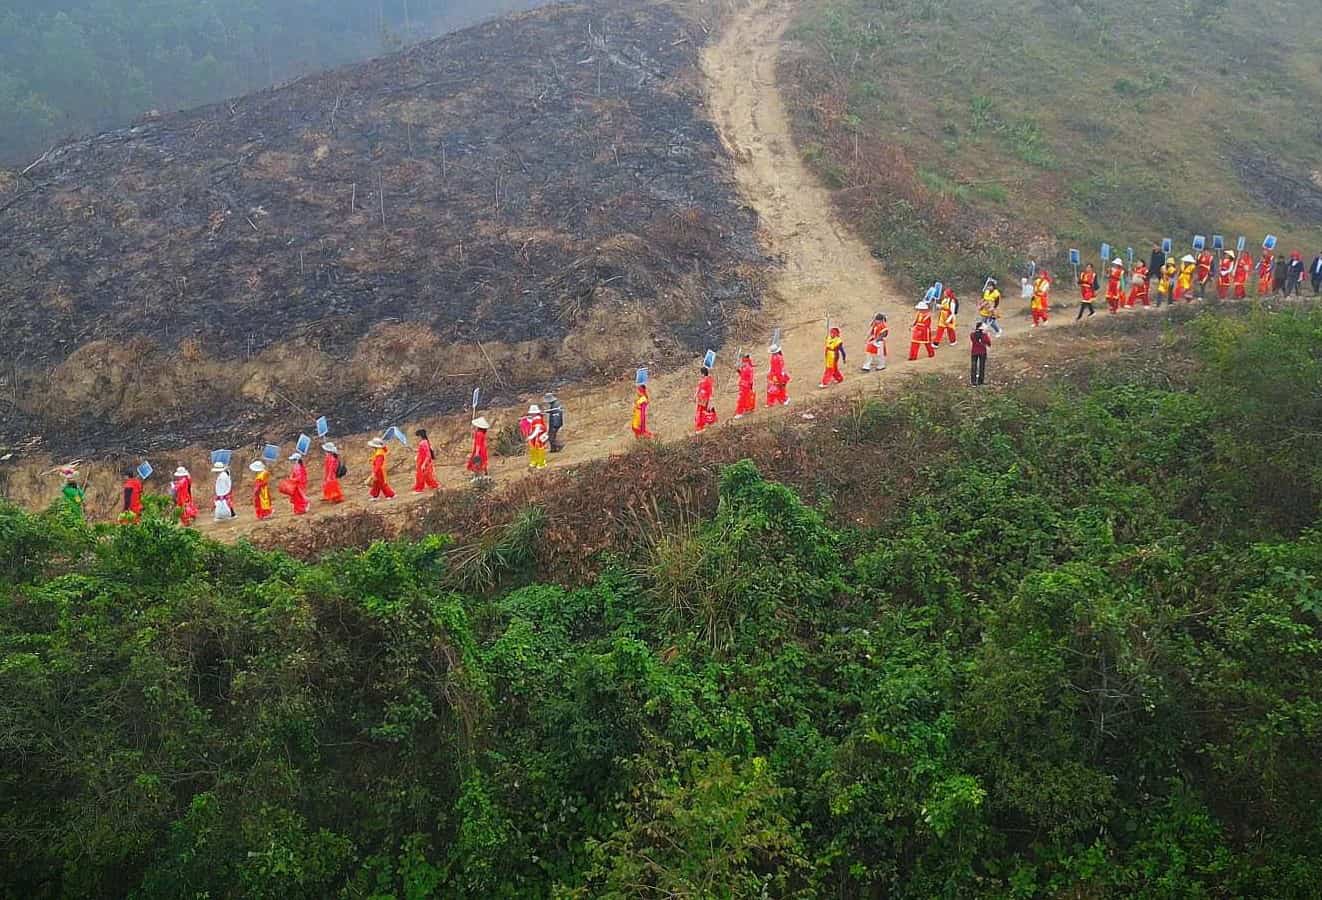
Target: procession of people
(1159,280)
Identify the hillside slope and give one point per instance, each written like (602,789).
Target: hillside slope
(966,136)
(546,185)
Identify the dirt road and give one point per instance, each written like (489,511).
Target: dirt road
(827,272)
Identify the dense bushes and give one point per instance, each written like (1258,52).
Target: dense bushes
(1085,659)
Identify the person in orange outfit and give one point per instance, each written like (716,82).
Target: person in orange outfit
(477,457)
(876,345)
(424,465)
(705,413)
(298,478)
(945,319)
(1115,286)
(1224,273)
(1041,302)
(1087,291)
(1243,267)
(132,513)
(1138,285)
(1184,283)
(778,380)
(920,333)
(261,490)
(835,356)
(380,484)
(331,472)
(1266,270)
(1203,272)
(642,400)
(747,402)
(182,489)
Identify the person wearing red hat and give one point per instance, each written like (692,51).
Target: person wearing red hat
(747,401)
(945,318)
(835,355)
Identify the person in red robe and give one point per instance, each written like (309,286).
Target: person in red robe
(876,345)
(1203,273)
(778,380)
(920,334)
(182,489)
(380,485)
(1243,266)
(132,513)
(261,490)
(1224,274)
(1138,285)
(298,477)
(1266,269)
(424,465)
(1087,291)
(1115,286)
(747,402)
(642,402)
(705,413)
(477,457)
(835,355)
(331,492)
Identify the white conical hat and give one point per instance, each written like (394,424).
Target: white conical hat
(534,410)
(257,466)
(329,447)
(923,305)
(376,443)
(481,422)
(219,467)
(295,457)
(1117,262)
(1188,258)
(181,472)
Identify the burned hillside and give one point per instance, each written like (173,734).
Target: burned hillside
(527,202)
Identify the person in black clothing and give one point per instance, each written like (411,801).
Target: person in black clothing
(555,420)
(1280,275)
(1316,272)
(1294,278)
(1156,261)
(980,341)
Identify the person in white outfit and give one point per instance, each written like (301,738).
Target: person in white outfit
(224,493)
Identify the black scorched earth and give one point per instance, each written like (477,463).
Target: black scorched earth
(548,187)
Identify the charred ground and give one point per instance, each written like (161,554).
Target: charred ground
(547,185)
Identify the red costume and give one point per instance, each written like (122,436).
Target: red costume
(132,513)
(1088,285)
(921,333)
(835,355)
(1223,276)
(424,465)
(1243,266)
(876,345)
(945,320)
(778,380)
(747,397)
(299,496)
(1115,288)
(380,486)
(705,413)
(331,492)
(1138,288)
(183,499)
(1265,270)
(477,458)
(1204,272)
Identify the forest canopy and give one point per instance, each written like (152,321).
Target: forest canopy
(70,67)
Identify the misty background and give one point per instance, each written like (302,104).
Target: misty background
(79,66)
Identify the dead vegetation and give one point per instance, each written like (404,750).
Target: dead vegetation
(547,186)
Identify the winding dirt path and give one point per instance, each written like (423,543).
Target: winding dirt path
(826,272)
